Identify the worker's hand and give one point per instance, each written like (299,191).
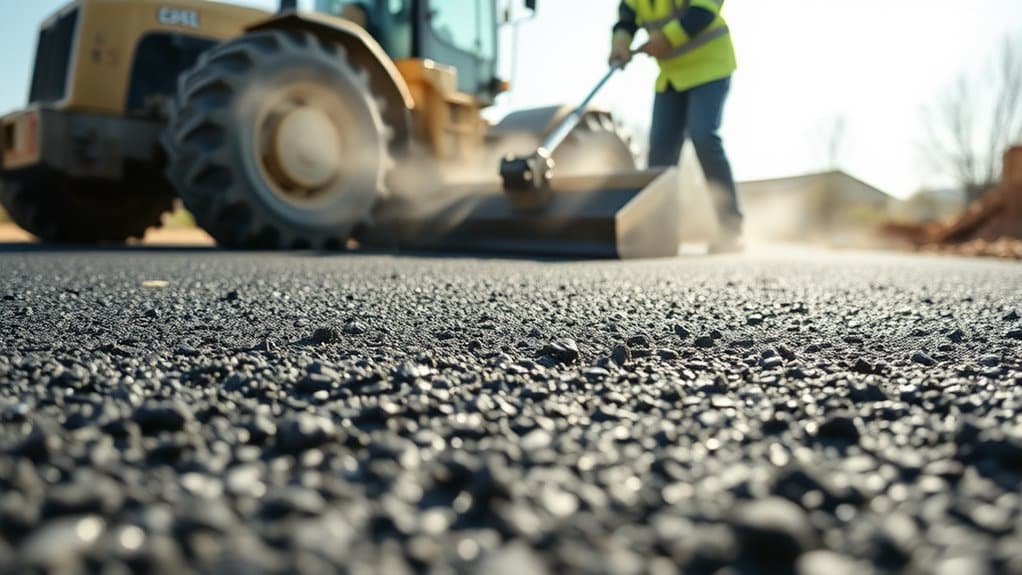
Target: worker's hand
(658,45)
(621,49)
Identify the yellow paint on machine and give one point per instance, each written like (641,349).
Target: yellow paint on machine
(101,69)
(19,141)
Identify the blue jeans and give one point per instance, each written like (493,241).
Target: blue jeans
(697,113)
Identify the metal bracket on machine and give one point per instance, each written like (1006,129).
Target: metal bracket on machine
(527,178)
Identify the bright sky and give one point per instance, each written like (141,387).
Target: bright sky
(803,64)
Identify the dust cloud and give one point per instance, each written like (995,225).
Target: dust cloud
(809,215)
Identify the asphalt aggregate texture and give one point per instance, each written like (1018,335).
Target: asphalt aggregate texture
(201,411)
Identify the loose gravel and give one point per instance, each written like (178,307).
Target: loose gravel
(199,411)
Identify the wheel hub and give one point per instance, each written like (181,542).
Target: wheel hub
(305,149)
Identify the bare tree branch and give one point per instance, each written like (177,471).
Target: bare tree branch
(1012,68)
(973,124)
(836,141)
(1006,116)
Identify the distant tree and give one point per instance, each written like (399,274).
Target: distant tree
(827,141)
(836,141)
(975,121)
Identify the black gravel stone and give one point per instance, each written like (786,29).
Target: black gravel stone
(259,429)
(156,417)
(410,371)
(641,341)
(990,360)
(195,516)
(775,424)
(866,391)
(91,495)
(121,428)
(314,382)
(38,445)
(813,488)
(773,531)
(621,354)
(324,335)
(15,413)
(863,366)
(892,543)
(293,501)
(839,428)
(744,342)
(355,327)
(562,351)
(796,372)
(667,354)
(1006,450)
(704,341)
(786,352)
(923,358)
(304,431)
(187,351)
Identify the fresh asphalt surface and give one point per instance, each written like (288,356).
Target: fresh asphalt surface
(168,410)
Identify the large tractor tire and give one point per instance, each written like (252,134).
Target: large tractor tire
(596,146)
(59,209)
(276,141)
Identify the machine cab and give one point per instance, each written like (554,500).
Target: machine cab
(457,33)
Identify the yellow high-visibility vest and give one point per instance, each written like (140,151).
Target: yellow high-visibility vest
(697,60)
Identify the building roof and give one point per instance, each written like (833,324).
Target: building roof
(801,181)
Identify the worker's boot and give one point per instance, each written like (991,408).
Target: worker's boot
(728,241)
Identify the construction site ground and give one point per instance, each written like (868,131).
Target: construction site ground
(208,411)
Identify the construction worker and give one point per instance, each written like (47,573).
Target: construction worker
(692,45)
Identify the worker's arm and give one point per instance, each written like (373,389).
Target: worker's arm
(625,29)
(695,19)
(627,19)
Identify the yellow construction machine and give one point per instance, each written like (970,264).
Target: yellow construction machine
(300,130)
